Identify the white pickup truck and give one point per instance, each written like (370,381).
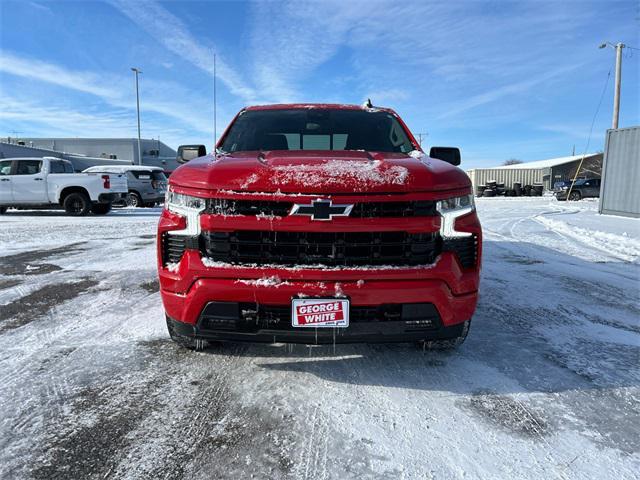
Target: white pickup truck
(48,181)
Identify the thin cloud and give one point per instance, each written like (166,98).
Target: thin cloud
(54,74)
(171,32)
(496,94)
(156,95)
(52,120)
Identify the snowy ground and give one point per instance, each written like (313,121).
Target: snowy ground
(546,386)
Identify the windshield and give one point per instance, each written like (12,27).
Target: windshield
(316,129)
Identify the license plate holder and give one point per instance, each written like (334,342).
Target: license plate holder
(328,312)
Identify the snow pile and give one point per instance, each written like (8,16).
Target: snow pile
(618,245)
(209,262)
(617,237)
(337,172)
(264,216)
(273,281)
(250,180)
(172,267)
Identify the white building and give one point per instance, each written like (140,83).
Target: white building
(542,172)
(154,152)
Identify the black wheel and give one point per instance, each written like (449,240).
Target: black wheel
(134,200)
(186,341)
(447,343)
(100,208)
(575,196)
(3,210)
(150,204)
(77,204)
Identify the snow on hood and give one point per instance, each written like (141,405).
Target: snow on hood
(336,172)
(320,172)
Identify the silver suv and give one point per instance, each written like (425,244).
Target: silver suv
(147,185)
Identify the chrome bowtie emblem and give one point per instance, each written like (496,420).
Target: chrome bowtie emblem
(322,210)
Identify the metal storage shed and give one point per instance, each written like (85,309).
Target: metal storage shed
(619,194)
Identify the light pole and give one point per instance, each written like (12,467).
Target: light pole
(215,112)
(136,71)
(616,96)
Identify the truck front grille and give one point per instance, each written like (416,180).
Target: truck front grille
(421,208)
(466,248)
(324,248)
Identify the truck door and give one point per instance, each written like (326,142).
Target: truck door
(5,182)
(29,183)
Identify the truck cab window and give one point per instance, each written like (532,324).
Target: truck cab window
(57,167)
(5,167)
(29,167)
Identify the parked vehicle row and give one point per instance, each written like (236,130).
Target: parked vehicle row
(48,181)
(51,182)
(582,188)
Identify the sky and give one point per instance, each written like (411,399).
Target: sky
(498,79)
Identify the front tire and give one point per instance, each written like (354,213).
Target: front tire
(100,208)
(77,204)
(134,200)
(3,210)
(575,196)
(447,343)
(186,341)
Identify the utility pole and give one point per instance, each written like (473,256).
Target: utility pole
(136,71)
(215,110)
(616,95)
(420,137)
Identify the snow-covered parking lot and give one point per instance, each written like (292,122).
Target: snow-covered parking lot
(546,386)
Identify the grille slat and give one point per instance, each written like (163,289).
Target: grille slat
(173,247)
(466,248)
(326,248)
(420,208)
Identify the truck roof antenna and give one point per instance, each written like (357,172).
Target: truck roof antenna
(368,104)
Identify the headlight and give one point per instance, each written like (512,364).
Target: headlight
(188,207)
(452,208)
(455,203)
(179,202)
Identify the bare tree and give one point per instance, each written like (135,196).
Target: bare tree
(512,161)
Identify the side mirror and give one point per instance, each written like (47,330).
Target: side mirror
(448,154)
(189,152)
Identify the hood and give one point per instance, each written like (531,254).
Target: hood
(320,172)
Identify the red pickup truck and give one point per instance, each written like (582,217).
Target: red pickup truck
(319,224)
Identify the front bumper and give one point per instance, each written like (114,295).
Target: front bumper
(362,332)
(561,195)
(451,311)
(188,284)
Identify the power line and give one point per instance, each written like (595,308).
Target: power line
(593,121)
